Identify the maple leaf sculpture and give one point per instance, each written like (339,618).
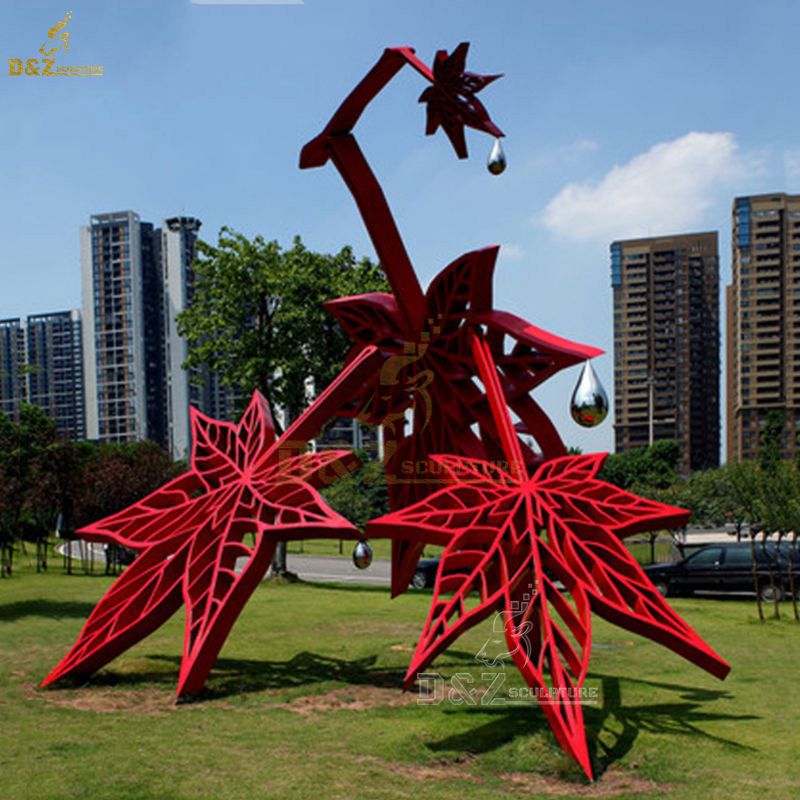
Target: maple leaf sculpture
(451,101)
(428,365)
(190,533)
(509,536)
(431,369)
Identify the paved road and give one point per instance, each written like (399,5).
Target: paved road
(317,569)
(322,569)
(90,551)
(328,569)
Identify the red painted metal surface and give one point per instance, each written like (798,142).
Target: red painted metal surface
(244,491)
(509,534)
(432,370)
(513,522)
(428,366)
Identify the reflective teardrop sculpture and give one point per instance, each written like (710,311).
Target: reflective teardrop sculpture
(497,159)
(589,404)
(362,554)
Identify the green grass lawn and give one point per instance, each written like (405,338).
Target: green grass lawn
(305,703)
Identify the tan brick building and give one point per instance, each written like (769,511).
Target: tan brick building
(763,322)
(666,345)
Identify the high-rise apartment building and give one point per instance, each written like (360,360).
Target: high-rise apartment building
(114,327)
(666,345)
(153,344)
(54,367)
(763,322)
(41,362)
(123,329)
(12,366)
(136,280)
(177,244)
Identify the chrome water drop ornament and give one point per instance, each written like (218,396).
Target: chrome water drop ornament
(362,554)
(589,404)
(497,159)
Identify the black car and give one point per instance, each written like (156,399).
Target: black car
(425,574)
(729,568)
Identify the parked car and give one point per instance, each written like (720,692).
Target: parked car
(729,568)
(123,556)
(425,574)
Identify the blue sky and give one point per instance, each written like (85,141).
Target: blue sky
(622,119)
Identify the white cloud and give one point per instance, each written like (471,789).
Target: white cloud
(665,190)
(578,148)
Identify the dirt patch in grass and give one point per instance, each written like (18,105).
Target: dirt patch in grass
(613,783)
(147,702)
(439,770)
(361,698)
(156,701)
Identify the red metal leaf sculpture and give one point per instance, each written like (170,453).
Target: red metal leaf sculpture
(515,523)
(451,101)
(431,370)
(423,338)
(190,534)
(510,536)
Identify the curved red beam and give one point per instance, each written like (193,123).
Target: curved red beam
(337,143)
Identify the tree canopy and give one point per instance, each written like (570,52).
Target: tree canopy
(649,467)
(256,317)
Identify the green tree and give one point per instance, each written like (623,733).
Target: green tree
(361,495)
(724,495)
(256,318)
(21,446)
(770,440)
(643,468)
(61,490)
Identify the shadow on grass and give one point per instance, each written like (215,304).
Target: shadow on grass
(233,676)
(611,728)
(507,724)
(44,608)
(237,676)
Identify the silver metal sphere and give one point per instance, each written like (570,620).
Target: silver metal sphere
(362,554)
